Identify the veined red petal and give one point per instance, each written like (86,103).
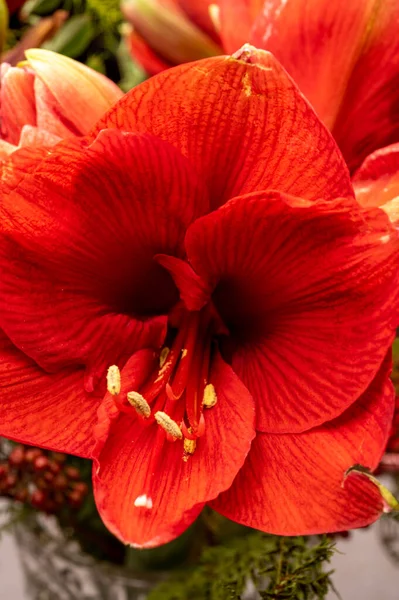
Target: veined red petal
(296,483)
(145,492)
(17,102)
(242,123)
(78,242)
(376,182)
(344,58)
(51,411)
(309,303)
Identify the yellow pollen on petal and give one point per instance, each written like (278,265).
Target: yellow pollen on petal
(164,367)
(114,380)
(168,424)
(184,352)
(163,356)
(210,397)
(189,448)
(139,403)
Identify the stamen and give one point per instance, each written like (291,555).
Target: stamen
(163,356)
(114,380)
(168,424)
(210,397)
(139,403)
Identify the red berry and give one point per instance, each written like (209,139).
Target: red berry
(72,473)
(40,463)
(75,499)
(37,499)
(17,456)
(54,467)
(11,480)
(32,454)
(60,482)
(81,488)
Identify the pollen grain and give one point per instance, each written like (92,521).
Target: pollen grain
(168,424)
(114,380)
(163,356)
(189,448)
(139,403)
(210,398)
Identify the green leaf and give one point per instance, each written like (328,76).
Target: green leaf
(42,7)
(74,37)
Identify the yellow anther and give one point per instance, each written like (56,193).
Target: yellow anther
(139,403)
(114,380)
(189,448)
(163,356)
(210,397)
(168,424)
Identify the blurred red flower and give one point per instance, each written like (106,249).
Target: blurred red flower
(49,98)
(344,56)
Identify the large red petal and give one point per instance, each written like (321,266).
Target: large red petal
(309,303)
(137,467)
(344,58)
(295,484)
(242,123)
(377,180)
(51,411)
(78,279)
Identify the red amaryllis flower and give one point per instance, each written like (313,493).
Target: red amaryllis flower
(49,98)
(343,56)
(205,239)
